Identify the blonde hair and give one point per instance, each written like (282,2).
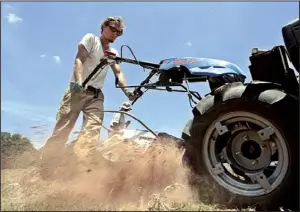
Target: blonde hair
(117,19)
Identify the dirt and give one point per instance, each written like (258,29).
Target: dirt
(17,159)
(121,177)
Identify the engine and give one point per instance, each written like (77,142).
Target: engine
(273,65)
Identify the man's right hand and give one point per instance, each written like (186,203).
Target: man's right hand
(76,87)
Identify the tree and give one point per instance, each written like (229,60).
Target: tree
(17,151)
(15,141)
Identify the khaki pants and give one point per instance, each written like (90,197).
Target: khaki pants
(70,107)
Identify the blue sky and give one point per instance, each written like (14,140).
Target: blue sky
(39,43)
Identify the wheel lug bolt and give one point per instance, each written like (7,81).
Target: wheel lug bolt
(254,162)
(246,137)
(263,146)
(238,152)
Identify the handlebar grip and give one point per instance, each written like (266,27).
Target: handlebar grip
(108,53)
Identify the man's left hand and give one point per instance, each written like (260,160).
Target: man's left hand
(130,95)
(76,87)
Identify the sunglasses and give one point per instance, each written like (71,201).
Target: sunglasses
(113,29)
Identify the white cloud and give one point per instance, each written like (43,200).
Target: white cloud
(56,59)
(188,43)
(43,55)
(13,18)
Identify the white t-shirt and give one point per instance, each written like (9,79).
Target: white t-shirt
(93,45)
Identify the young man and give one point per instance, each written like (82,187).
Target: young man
(88,100)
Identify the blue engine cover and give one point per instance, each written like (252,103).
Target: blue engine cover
(202,66)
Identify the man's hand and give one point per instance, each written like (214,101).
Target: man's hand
(130,95)
(76,87)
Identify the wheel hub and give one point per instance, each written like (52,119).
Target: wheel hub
(231,153)
(249,152)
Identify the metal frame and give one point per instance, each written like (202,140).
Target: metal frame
(132,116)
(111,59)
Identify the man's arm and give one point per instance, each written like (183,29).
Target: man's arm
(119,74)
(121,78)
(82,55)
(122,81)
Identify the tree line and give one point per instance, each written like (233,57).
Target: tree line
(17,151)
(15,141)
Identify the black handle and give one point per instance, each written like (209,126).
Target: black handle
(100,65)
(137,91)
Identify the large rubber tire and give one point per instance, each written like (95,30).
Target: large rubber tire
(186,135)
(263,100)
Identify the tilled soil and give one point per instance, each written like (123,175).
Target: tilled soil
(122,177)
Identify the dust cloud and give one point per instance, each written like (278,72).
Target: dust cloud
(121,176)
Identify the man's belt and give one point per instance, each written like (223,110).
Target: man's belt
(96,91)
